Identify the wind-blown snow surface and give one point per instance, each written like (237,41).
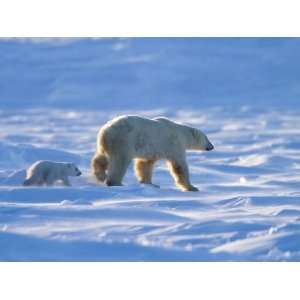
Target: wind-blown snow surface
(248,204)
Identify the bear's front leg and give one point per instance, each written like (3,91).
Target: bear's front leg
(180,173)
(50,179)
(143,171)
(66,181)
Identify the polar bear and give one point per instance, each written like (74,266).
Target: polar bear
(146,140)
(48,172)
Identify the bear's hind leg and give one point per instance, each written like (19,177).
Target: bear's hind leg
(117,167)
(34,180)
(99,166)
(180,173)
(143,171)
(28,182)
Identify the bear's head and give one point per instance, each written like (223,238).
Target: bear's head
(73,170)
(200,141)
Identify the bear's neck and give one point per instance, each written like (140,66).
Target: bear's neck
(187,137)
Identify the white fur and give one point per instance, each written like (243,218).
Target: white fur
(147,140)
(48,172)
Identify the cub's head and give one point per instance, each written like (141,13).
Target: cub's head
(72,170)
(200,141)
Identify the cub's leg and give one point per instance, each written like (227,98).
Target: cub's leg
(180,173)
(144,170)
(117,167)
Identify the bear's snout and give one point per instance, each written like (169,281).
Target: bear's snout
(210,147)
(78,173)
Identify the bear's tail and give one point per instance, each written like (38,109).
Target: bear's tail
(99,165)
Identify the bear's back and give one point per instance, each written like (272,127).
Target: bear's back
(128,123)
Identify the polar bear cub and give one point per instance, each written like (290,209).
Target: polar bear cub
(48,172)
(146,140)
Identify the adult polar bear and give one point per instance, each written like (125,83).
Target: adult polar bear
(147,140)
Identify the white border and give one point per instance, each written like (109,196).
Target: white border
(63,18)
(57,18)
(153,281)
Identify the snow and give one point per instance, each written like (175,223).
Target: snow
(59,93)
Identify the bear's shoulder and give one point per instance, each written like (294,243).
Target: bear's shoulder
(164,120)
